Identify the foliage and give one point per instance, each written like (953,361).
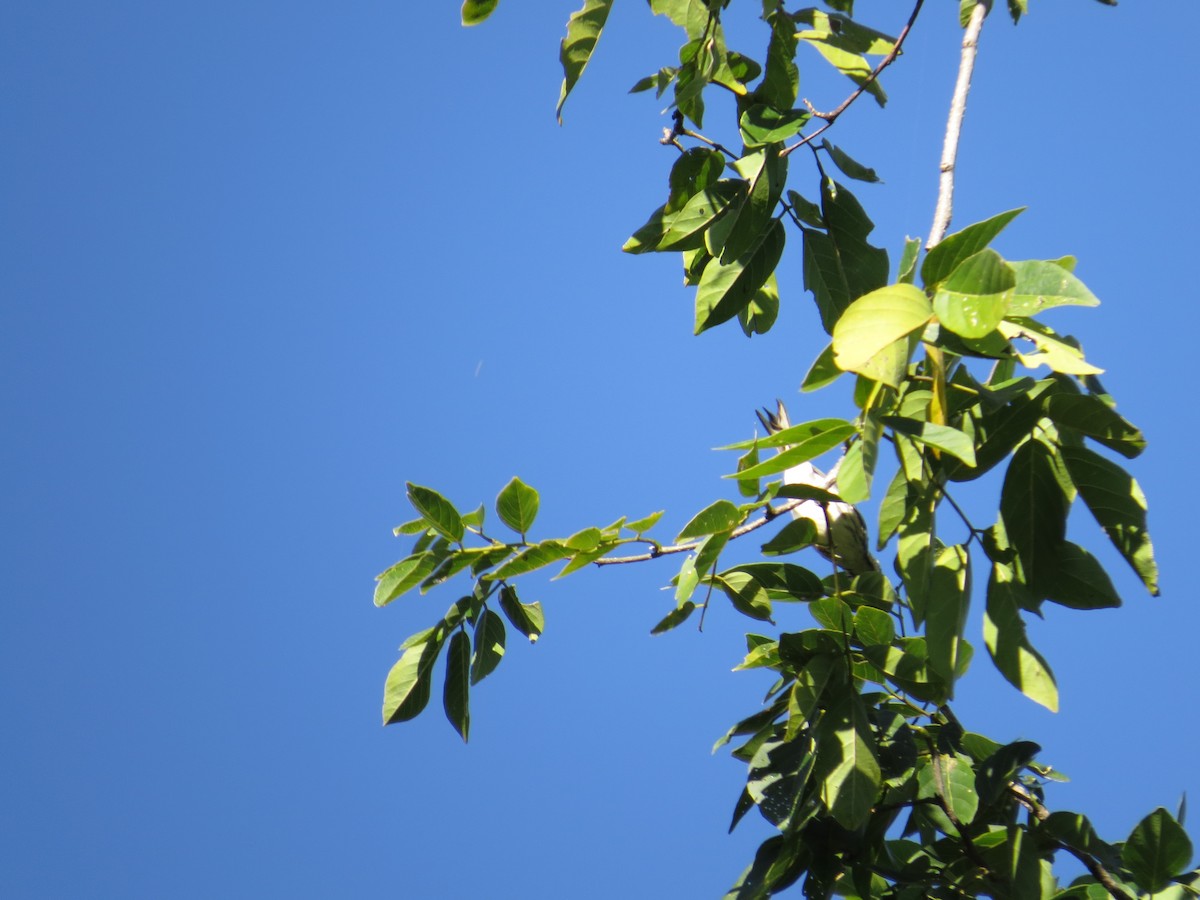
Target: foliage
(856,758)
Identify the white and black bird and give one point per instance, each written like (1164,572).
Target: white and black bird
(841,531)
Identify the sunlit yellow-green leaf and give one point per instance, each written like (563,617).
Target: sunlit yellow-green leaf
(876,320)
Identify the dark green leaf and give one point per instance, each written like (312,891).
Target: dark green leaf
(1157,849)
(782,581)
(765,172)
(950,779)
(527,618)
(946,610)
(847,767)
(841,266)
(1079,581)
(583,31)
(727,288)
(1119,506)
(781,79)
(943,437)
(437,511)
(1004,635)
(943,259)
(489,646)
(763,124)
(747,595)
(806,211)
(795,535)
(685,229)
(1090,415)
(892,508)
(517,506)
(849,167)
(1033,508)
(696,169)
(475,11)
(456,692)
(406,690)
(674,618)
(760,313)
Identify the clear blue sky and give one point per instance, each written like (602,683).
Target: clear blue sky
(261,263)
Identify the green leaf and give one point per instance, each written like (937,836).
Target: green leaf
(1004,635)
(952,779)
(762,124)
(719,516)
(1033,509)
(644,524)
(406,691)
(1119,507)
(517,506)
(475,11)
(892,509)
(819,441)
(686,581)
(795,535)
(685,229)
(674,618)
(527,618)
(849,167)
(853,65)
(876,320)
(943,259)
(583,31)
(586,540)
(746,594)
(841,266)
(403,577)
(1043,284)
(824,371)
(853,480)
(489,646)
(1157,849)
(943,437)
(696,169)
(781,78)
(765,172)
(646,238)
(1088,414)
(874,626)
(847,767)
(727,288)
(946,608)
(532,557)
(1049,348)
(437,511)
(760,313)
(782,581)
(806,211)
(1079,581)
(456,691)
(974,299)
(908,261)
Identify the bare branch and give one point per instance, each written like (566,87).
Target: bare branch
(958,109)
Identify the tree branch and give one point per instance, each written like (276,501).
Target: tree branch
(772,512)
(1092,864)
(958,108)
(831,117)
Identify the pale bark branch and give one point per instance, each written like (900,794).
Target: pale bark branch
(958,108)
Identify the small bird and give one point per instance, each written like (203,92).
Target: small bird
(848,547)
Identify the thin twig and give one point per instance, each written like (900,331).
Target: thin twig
(772,513)
(831,117)
(1092,864)
(958,108)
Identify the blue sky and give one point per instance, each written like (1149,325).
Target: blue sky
(263,263)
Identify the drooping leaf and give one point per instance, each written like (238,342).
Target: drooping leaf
(1090,415)
(456,690)
(946,608)
(475,11)
(849,167)
(517,506)
(847,766)
(674,618)
(406,691)
(876,320)
(765,173)
(583,31)
(840,266)
(1004,635)
(1119,507)
(805,210)
(1033,508)
(726,288)
(908,261)
(943,259)
(1157,849)
(437,511)
(527,618)
(489,645)
(781,78)
(760,313)
(1079,581)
